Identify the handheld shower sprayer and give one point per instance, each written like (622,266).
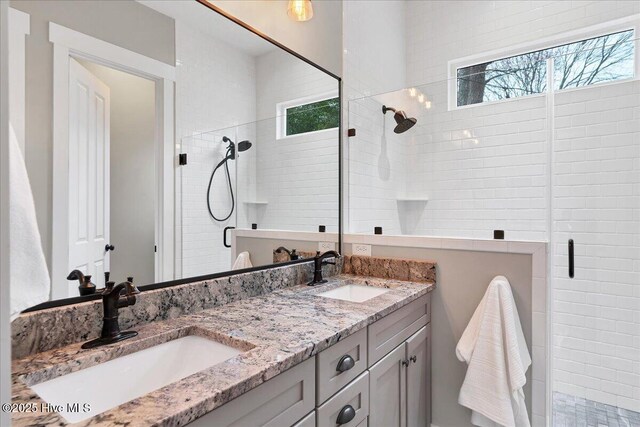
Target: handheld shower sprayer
(229,155)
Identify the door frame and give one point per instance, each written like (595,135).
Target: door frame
(69,43)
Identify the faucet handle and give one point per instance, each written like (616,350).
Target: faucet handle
(131,288)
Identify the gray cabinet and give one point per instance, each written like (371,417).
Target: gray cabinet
(400,384)
(308,421)
(349,407)
(419,378)
(281,401)
(392,330)
(395,390)
(387,392)
(340,364)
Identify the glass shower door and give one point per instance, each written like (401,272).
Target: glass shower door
(595,201)
(208,201)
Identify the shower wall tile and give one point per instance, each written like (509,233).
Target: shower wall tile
(438,32)
(296,176)
(374,62)
(596,198)
(596,159)
(224,99)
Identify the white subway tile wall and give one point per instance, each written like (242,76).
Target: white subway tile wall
(464,173)
(374,62)
(296,176)
(441,31)
(226,98)
(596,202)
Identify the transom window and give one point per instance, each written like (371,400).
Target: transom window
(586,62)
(308,115)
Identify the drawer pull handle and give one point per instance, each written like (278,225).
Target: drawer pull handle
(345,415)
(345,363)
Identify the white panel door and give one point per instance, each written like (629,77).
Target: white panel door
(88,174)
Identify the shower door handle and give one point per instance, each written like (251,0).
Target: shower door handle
(224,236)
(571,261)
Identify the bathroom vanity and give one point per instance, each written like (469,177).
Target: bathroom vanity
(354,351)
(386,384)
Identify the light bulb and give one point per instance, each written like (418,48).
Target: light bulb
(300,10)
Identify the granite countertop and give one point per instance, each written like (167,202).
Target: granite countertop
(275,331)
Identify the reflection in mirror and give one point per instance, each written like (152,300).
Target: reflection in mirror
(182,144)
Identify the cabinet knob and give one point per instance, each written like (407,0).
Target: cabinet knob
(345,415)
(413,358)
(405,362)
(346,362)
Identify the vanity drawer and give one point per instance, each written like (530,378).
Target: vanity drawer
(351,351)
(281,401)
(308,421)
(355,395)
(392,330)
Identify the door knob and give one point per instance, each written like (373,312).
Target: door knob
(108,248)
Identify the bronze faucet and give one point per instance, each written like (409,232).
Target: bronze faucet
(318,262)
(112,300)
(293,255)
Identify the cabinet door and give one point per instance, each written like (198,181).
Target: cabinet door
(387,393)
(308,421)
(419,378)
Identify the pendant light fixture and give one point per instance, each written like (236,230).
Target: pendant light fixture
(300,10)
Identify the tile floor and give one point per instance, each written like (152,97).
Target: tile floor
(571,411)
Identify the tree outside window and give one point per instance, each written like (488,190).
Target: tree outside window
(313,117)
(583,63)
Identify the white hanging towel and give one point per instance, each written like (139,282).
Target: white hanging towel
(242,261)
(29,276)
(495,350)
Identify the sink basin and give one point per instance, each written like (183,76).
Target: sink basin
(354,293)
(120,380)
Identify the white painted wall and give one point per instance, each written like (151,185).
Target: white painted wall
(226,97)
(133,180)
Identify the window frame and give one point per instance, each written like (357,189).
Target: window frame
(282,107)
(575,36)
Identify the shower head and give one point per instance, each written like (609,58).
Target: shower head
(403,123)
(244,145)
(231,149)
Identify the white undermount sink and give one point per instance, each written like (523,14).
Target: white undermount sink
(120,380)
(354,293)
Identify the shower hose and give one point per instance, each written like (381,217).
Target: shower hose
(233,202)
